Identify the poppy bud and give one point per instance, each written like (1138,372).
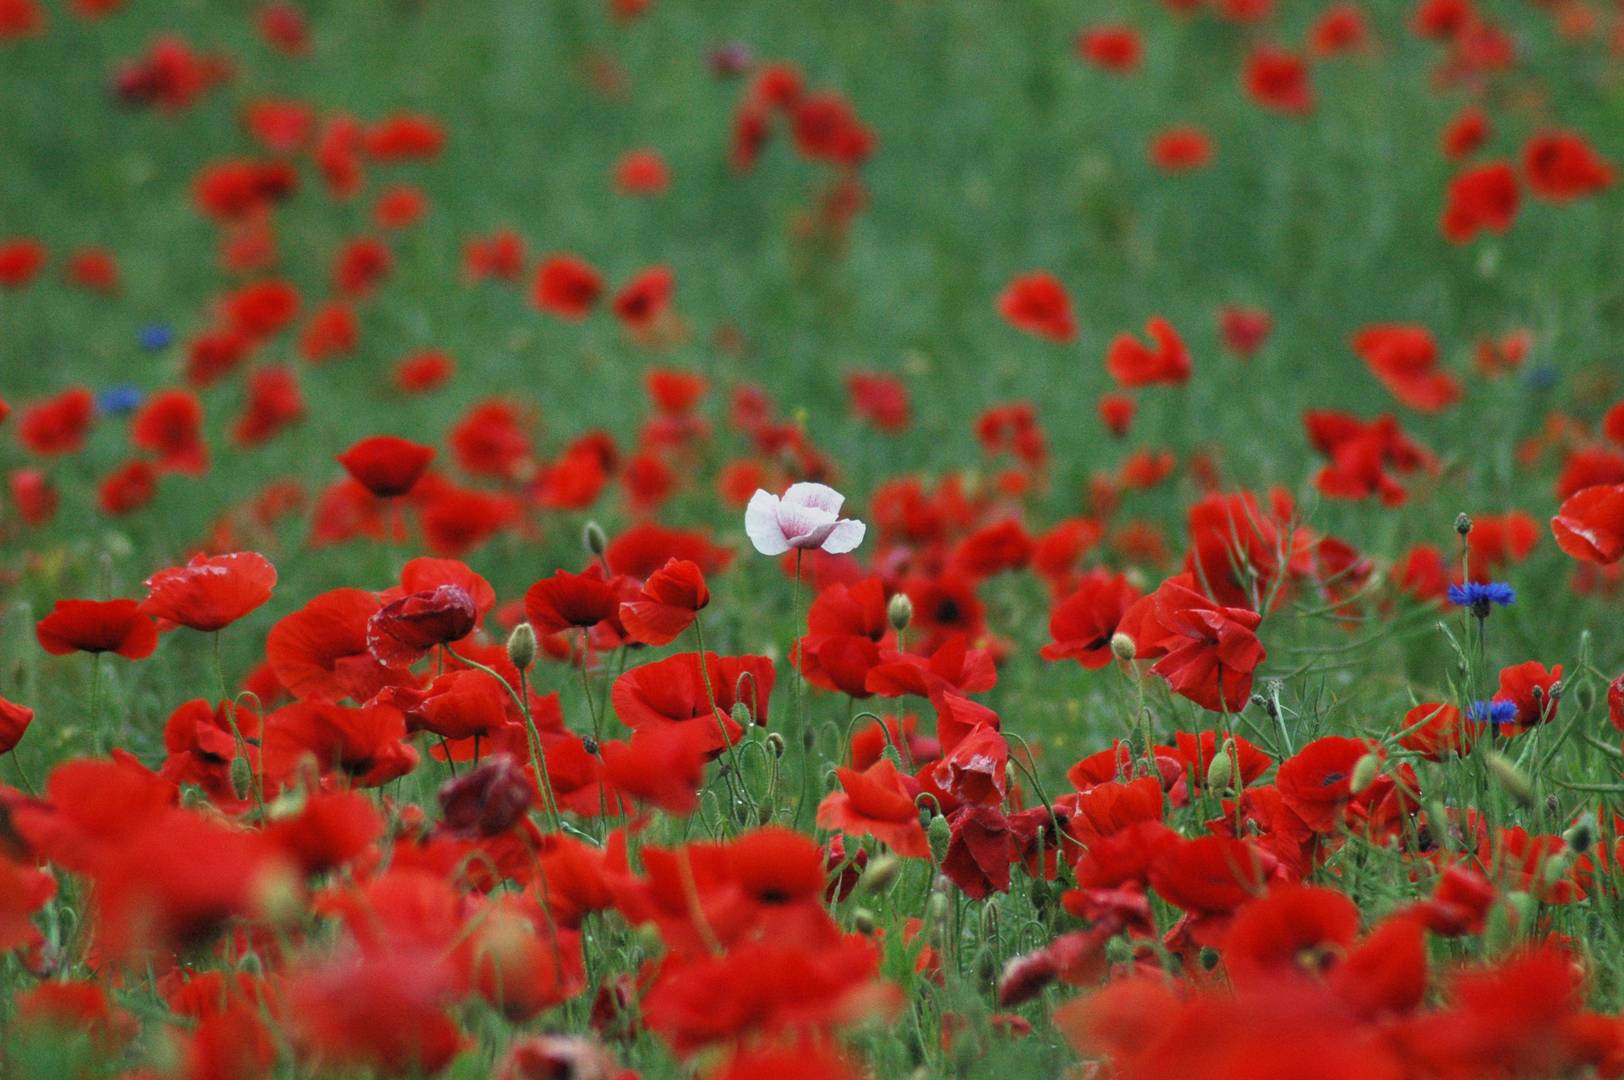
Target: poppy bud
(242,777)
(936,909)
(1221,773)
(940,834)
(1557,867)
(593,539)
(879,875)
(1509,777)
(864,921)
(1580,836)
(521,646)
(1122,646)
(899,611)
(741,715)
(775,743)
(1208,958)
(1364,773)
(1463,524)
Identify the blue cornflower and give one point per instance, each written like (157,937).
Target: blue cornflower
(1492,712)
(1482,596)
(155,337)
(118,400)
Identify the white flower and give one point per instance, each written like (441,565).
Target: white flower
(808,516)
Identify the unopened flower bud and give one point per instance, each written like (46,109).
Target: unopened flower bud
(899,611)
(940,834)
(864,921)
(1122,646)
(593,539)
(242,777)
(1463,524)
(521,646)
(1510,778)
(775,743)
(1580,836)
(1221,771)
(879,874)
(1364,773)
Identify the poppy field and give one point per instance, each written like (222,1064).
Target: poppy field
(610,539)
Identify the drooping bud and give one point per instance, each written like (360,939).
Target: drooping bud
(593,539)
(1122,646)
(521,646)
(1364,773)
(1510,778)
(899,611)
(775,743)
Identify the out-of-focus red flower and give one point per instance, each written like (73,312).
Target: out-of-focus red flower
(387,465)
(1037,303)
(567,287)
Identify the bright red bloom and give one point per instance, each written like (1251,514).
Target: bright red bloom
(58,425)
(567,601)
(827,129)
(1111,48)
(283,28)
(14,721)
(127,489)
(671,599)
(1466,133)
(882,400)
(1181,149)
(1405,358)
(566,287)
(642,172)
(1131,364)
(1038,304)
(403,137)
(1244,330)
(1341,29)
(1561,166)
(674,691)
(210,592)
(1481,198)
(94,269)
(1083,624)
(1316,782)
(643,299)
(20,261)
(170,425)
(97,626)
(332,331)
(1436,729)
(274,403)
(1278,80)
(1533,689)
(1207,652)
(1589,525)
(877,803)
(319,653)
(423,372)
(387,465)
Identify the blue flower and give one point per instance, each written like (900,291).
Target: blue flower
(1482,596)
(155,337)
(1492,712)
(118,400)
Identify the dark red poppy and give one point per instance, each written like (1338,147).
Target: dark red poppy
(1529,686)
(1278,80)
(387,465)
(1316,781)
(675,691)
(319,653)
(401,633)
(644,298)
(568,601)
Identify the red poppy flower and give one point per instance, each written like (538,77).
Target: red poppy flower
(399,207)
(500,255)
(1181,149)
(97,626)
(387,465)
(401,633)
(1436,729)
(644,298)
(1037,303)
(1293,927)
(127,489)
(403,137)
(1562,166)
(283,28)
(95,270)
(642,172)
(1207,652)
(876,802)
(210,592)
(979,851)
(1405,358)
(1278,80)
(170,425)
(273,404)
(1481,198)
(674,691)
(423,372)
(20,261)
(1316,782)
(332,331)
(566,287)
(1131,364)
(671,598)
(1083,624)
(568,601)
(1465,133)
(1530,687)
(1340,29)
(827,129)
(1210,875)
(14,721)
(882,400)
(319,653)
(58,425)
(1111,48)
(1589,525)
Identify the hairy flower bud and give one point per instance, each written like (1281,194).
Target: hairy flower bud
(1122,646)
(593,539)
(521,646)
(1365,771)
(899,611)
